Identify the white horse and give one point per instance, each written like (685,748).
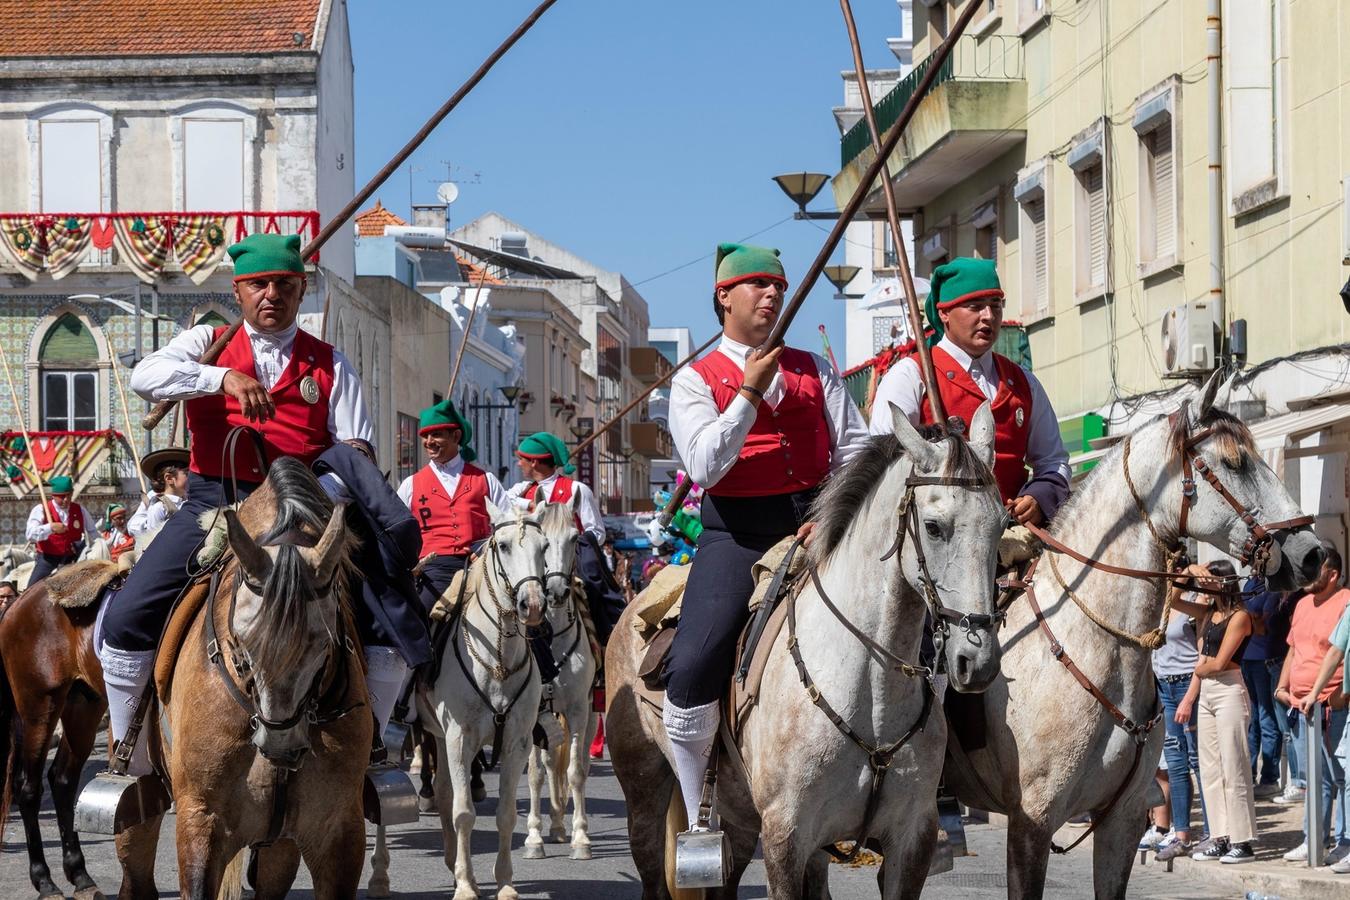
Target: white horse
(1037,746)
(12,556)
(907,528)
(487,692)
(571,648)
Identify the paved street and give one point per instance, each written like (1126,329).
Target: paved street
(417,870)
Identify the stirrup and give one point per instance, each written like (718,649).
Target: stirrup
(388,795)
(702,858)
(114,802)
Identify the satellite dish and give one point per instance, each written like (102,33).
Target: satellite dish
(447,192)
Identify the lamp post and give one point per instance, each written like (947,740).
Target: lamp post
(801,188)
(840,277)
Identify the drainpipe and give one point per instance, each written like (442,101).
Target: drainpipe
(1213,50)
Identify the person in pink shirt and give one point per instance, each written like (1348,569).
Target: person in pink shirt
(1315,618)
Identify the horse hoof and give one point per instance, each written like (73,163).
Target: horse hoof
(508,893)
(89,893)
(534,851)
(582,852)
(466,893)
(378,890)
(426,804)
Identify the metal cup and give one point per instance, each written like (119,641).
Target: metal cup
(702,859)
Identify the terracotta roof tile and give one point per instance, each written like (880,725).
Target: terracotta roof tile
(473,271)
(155,27)
(371,222)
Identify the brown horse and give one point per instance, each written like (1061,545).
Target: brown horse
(267,741)
(50,674)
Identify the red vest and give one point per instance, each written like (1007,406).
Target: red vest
(788,447)
(562,492)
(118,544)
(64,544)
(300,428)
(1011,407)
(450,525)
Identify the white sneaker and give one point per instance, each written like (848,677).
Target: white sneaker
(1336,854)
(1292,794)
(1153,838)
(1342,867)
(1298,854)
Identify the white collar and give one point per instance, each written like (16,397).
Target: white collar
(453,466)
(283,338)
(735,350)
(965,360)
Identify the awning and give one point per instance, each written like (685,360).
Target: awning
(511,262)
(1274,435)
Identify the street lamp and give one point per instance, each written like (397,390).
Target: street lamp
(840,277)
(801,188)
(582,428)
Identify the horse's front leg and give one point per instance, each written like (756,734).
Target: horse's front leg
(37,724)
(1028,855)
(787,850)
(908,848)
(578,768)
(454,768)
(534,822)
(136,848)
(336,868)
(512,761)
(378,886)
(80,722)
(203,850)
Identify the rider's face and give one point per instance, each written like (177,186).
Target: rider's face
(442,445)
(974,326)
(270,302)
(751,308)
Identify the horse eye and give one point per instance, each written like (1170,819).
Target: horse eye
(932,529)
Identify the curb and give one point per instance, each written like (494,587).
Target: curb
(1267,877)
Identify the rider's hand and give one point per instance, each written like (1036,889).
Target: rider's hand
(1025,510)
(58,528)
(806,533)
(254,401)
(760,367)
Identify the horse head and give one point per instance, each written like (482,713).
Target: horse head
(559,523)
(515,558)
(949,524)
(288,617)
(1217,488)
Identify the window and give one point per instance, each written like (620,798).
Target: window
(1032,194)
(883,247)
(213,164)
(1031,13)
(212,318)
(72,166)
(68,359)
(407,446)
(1159,190)
(1255,73)
(985,221)
(1091,228)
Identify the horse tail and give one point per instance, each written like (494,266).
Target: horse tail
(232,881)
(9,744)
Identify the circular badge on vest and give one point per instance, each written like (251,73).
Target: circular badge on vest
(309,389)
(1020,416)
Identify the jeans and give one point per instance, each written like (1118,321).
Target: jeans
(1182,753)
(1298,776)
(1334,784)
(1263,737)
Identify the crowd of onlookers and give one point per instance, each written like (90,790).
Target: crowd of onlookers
(1241,674)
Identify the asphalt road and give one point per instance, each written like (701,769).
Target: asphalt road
(417,870)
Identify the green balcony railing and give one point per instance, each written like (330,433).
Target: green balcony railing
(888,108)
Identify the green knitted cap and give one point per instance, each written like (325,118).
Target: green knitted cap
(114,508)
(61,484)
(267,254)
(545,446)
(444,415)
(960,281)
(741,262)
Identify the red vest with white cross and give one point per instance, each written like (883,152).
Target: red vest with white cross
(561,493)
(961,397)
(299,429)
(63,544)
(451,525)
(788,447)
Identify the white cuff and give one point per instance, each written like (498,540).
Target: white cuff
(696,724)
(210,378)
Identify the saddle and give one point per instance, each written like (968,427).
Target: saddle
(83,584)
(176,630)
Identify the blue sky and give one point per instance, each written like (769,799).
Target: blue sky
(637,134)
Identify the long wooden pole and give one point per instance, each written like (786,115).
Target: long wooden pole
(162,408)
(464,339)
(618,417)
(933,65)
(926,372)
(28,442)
(126,417)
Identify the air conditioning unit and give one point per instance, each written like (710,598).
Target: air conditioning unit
(935,246)
(1188,338)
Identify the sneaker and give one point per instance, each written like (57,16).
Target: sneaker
(1266,791)
(1153,838)
(1337,853)
(1217,849)
(1172,848)
(1298,855)
(1292,794)
(1342,867)
(1238,853)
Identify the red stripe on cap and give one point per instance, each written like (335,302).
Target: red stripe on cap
(430,428)
(279,272)
(540,456)
(732,282)
(973,295)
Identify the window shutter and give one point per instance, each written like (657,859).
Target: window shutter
(1041,254)
(68,342)
(1096,197)
(1164,192)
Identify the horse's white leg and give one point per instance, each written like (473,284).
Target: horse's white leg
(577,770)
(556,761)
(444,793)
(1113,845)
(378,886)
(1029,855)
(512,761)
(785,855)
(908,851)
(534,839)
(458,757)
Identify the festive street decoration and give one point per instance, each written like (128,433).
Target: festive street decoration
(80,454)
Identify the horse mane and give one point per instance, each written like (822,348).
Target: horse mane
(1229,436)
(837,507)
(275,638)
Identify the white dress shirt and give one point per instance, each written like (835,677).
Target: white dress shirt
(709,442)
(448,473)
(587,507)
(173,372)
(152,513)
(903,386)
(39,530)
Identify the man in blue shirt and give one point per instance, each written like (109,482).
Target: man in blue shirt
(1261,670)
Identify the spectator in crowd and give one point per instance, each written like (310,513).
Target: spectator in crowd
(1294,751)
(1173,666)
(9,592)
(1333,663)
(1260,670)
(1315,618)
(1218,697)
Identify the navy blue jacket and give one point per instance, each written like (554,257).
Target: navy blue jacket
(388,612)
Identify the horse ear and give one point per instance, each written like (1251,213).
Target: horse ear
(1207,397)
(326,554)
(924,454)
(255,562)
(497,515)
(982,434)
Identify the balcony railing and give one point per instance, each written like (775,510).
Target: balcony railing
(647,364)
(994,58)
(651,439)
(145,242)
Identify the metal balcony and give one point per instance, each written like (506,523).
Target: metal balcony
(647,364)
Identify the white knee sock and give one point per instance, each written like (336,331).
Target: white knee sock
(385,671)
(125,675)
(691,733)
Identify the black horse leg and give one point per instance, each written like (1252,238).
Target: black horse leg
(32,753)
